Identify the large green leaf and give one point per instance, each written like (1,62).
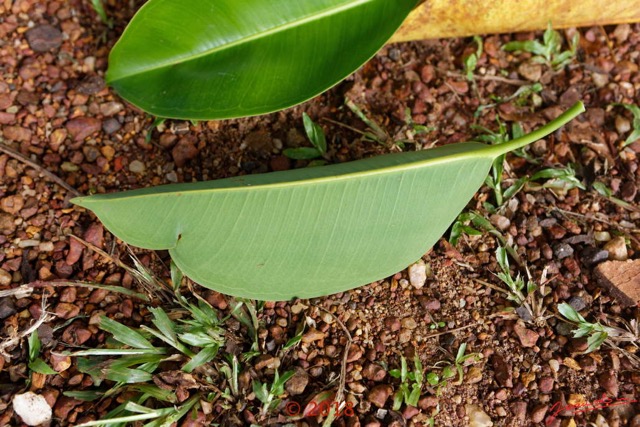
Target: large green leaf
(214,59)
(307,232)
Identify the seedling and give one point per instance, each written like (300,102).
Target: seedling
(246,312)
(635,132)
(410,383)
(530,308)
(98,6)
(450,370)
(595,332)
(517,287)
(559,179)
(471,61)
(602,189)
(375,133)
(522,96)
(437,325)
(550,50)
(231,370)
(494,179)
(415,129)
(132,412)
(36,364)
(472,223)
(316,137)
(269,395)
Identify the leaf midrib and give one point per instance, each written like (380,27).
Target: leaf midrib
(482,152)
(256,36)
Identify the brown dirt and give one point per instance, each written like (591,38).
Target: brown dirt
(56,111)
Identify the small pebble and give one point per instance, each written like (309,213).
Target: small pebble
(477,417)
(617,248)
(577,303)
(563,250)
(44,38)
(136,166)
(32,408)
(418,274)
(5,278)
(622,125)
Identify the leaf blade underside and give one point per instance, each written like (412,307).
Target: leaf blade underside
(307,232)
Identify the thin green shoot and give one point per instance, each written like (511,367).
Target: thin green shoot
(474,224)
(98,6)
(635,124)
(246,312)
(560,179)
(518,288)
(471,61)
(452,369)
(495,177)
(377,134)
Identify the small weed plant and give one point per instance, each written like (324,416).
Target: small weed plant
(410,383)
(318,141)
(452,369)
(635,124)
(471,61)
(595,332)
(269,394)
(549,51)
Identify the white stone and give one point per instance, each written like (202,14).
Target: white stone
(418,274)
(32,408)
(477,417)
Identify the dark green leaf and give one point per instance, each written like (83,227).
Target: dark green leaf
(302,153)
(41,367)
(84,395)
(34,345)
(124,334)
(570,313)
(204,356)
(228,58)
(315,134)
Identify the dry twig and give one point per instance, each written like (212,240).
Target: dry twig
(12,153)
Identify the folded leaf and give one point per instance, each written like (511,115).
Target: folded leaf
(307,232)
(227,58)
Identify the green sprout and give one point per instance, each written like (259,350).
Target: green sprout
(316,137)
(471,61)
(270,395)
(450,370)
(549,51)
(98,6)
(595,332)
(36,364)
(635,133)
(606,192)
(410,383)
(517,287)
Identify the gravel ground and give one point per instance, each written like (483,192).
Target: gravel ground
(64,133)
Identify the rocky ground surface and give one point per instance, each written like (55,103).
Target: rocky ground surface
(63,132)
